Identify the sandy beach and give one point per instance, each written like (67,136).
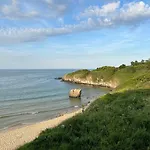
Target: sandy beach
(13,138)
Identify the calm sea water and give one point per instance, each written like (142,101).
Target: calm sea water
(28,96)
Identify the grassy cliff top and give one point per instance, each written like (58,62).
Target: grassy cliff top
(116,121)
(121,74)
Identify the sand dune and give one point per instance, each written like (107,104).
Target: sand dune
(11,139)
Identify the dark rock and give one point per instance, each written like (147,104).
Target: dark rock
(58,78)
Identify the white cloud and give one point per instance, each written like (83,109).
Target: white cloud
(111,14)
(134,11)
(13,35)
(13,11)
(57,8)
(43,8)
(100,11)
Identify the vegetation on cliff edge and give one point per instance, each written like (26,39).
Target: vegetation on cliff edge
(120,75)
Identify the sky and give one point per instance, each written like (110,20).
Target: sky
(59,34)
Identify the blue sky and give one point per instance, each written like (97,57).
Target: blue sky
(73,33)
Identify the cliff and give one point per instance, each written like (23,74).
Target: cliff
(112,77)
(89,81)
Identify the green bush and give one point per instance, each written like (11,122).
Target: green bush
(79,74)
(122,66)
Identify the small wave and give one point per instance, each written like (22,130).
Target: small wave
(33,98)
(34,112)
(76,106)
(1,117)
(5,128)
(30,98)
(27,113)
(19,114)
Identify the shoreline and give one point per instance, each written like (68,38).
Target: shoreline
(12,138)
(58,114)
(94,84)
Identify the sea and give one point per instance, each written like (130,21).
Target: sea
(30,96)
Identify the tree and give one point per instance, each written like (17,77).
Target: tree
(132,63)
(136,63)
(142,61)
(122,66)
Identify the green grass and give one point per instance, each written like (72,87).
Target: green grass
(140,82)
(104,73)
(115,74)
(79,74)
(118,121)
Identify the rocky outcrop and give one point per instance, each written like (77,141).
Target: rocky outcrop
(89,81)
(58,78)
(75,93)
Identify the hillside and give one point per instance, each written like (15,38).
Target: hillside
(116,121)
(110,76)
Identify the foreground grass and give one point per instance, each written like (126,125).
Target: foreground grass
(118,121)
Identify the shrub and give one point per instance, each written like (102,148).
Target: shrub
(122,66)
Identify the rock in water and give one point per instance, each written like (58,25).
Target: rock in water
(58,78)
(75,93)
